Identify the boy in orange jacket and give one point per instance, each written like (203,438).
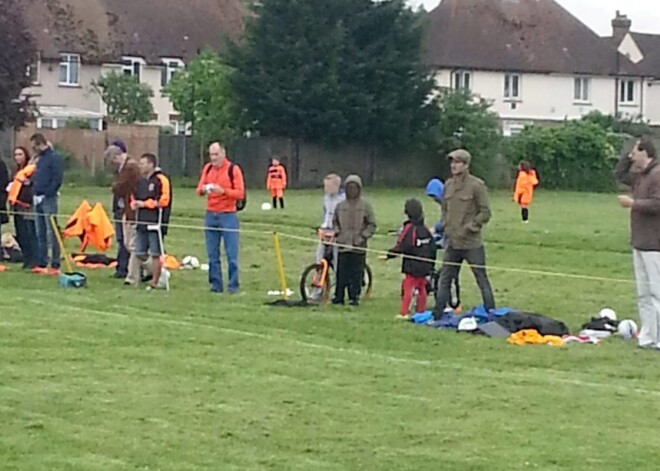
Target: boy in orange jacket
(276,182)
(526,182)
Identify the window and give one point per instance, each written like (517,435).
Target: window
(582,87)
(170,66)
(69,69)
(627,92)
(462,80)
(132,66)
(512,86)
(32,71)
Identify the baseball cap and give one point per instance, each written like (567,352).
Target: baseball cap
(460,155)
(121,145)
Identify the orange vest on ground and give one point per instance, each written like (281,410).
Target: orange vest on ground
(276,179)
(532,337)
(91,226)
(525,184)
(17,185)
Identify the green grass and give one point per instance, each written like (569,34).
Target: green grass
(111,378)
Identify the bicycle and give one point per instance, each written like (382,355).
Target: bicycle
(318,279)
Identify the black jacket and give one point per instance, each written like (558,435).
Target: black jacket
(156,192)
(416,241)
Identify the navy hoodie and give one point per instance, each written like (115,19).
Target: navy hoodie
(49,174)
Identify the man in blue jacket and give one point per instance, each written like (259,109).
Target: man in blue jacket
(46,185)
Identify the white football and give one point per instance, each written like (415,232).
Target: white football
(266,207)
(204,267)
(607,313)
(190,263)
(627,329)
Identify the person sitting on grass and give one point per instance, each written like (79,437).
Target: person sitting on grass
(152,200)
(354,224)
(415,241)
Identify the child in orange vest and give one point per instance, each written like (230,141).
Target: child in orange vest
(526,182)
(276,182)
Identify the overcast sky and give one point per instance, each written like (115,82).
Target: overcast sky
(598,14)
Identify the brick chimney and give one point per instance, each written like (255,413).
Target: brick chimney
(620,27)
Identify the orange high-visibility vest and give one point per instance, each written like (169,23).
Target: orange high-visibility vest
(525,184)
(17,185)
(276,178)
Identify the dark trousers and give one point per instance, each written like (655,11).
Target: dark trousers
(26,236)
(350,274)
(451,264)
(123,255)
(275,200)
(524,212)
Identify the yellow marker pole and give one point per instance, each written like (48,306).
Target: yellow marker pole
(56,230)
(280,265)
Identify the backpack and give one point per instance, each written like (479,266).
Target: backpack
(240,204)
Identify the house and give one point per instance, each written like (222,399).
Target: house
(536,62)
(644,51)
(81,40)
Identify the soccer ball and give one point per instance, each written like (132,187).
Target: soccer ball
(607,313)
(266,207)
(204,267)
(190,263)
(627,329)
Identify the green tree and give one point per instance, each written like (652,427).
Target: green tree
(17,53)
(465,121)
(202,95)
(576,156)
(128,101)
(346,71)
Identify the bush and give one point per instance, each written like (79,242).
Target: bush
(579,155)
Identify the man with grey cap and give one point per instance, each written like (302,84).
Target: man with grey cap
(127,174)
(465,210)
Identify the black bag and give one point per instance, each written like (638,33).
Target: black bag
(240,204)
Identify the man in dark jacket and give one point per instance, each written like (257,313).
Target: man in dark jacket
(124,181)
(152,199)
(417,246)
(354,223)
(465,210)
(119,205)
(641,171)
(47,181)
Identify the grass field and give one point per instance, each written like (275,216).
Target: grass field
(113,378)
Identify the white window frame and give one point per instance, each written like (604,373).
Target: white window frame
(509,88)
(627,92)
(462,80)
(132,66)
(170,67)
(33,71)
(582,90)
(67,61)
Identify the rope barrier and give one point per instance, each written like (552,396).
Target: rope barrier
(316,241)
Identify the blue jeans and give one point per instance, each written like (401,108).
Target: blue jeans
(45,236)
(218,222)
(122,252)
